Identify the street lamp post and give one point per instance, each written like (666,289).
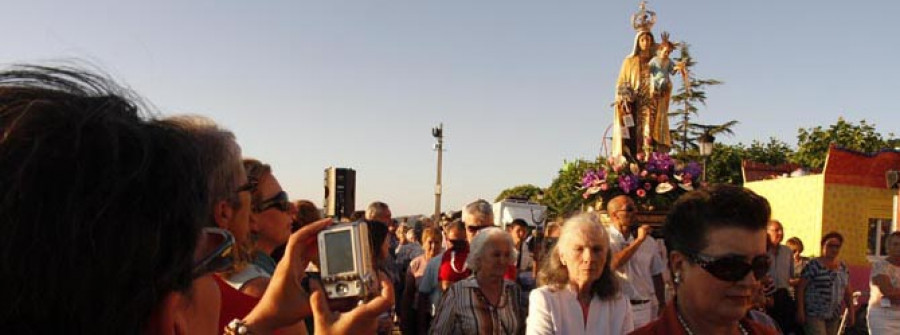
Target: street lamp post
(707,142)
(438,134)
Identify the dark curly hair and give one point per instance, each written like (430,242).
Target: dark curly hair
(718,206)
(100,208)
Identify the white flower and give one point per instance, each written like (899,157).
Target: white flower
(663,188)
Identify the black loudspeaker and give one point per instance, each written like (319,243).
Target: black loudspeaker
(340,192)
(892,178)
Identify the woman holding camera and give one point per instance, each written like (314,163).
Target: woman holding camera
(716,239)
(579,293)
(484,303)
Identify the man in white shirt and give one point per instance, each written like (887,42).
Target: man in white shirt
(636,259)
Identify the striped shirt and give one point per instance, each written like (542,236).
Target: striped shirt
(824,289)
(465,310)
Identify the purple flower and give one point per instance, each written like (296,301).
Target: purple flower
(660,163)
(628,183)
(588,179)
(593,178)
(694,169)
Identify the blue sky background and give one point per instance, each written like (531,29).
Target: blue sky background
(519,85)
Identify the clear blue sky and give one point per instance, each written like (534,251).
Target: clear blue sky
(520,85)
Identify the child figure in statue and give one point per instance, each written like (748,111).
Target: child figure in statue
(661,67)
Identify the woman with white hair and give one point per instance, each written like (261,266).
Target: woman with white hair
(484,303)
(579,293)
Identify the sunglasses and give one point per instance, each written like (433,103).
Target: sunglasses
(475,229)
(279,201)
(732,268)
(217,243)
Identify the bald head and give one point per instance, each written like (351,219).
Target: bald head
(621,211)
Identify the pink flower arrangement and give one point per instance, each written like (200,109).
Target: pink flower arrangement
(654,183)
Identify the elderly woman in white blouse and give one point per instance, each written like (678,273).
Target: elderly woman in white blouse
(579,293)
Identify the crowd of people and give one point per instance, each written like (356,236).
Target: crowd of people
(120,222)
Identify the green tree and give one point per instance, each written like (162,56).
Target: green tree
(813,143)
(687,99)
(773,152)
(526,191)
(562,197)
(724,165)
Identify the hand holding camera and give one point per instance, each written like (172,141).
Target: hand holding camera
(362,319)
(285,302)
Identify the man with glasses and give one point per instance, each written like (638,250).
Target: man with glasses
(637,259)
(271,219)
(242,284)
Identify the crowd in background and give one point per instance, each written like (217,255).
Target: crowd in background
(119,222)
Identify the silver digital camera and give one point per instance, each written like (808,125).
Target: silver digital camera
(346,261)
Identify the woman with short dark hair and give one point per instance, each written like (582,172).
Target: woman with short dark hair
(716,239)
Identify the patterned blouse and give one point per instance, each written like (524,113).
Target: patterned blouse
(465,310)
(824,289)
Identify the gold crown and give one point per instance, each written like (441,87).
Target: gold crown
(644,19)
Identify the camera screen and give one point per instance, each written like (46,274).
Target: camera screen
(339,252)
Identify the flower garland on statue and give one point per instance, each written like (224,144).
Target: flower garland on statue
(653,182)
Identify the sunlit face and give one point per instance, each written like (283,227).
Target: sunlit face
(583,252)
(401,235)
(709,297)
(518,233)
(645,42)
(476,223)
(831,248)
(431,246)
(496,258)
(795,250)
(775,232)
(665,51)
(272,224)
(623,212)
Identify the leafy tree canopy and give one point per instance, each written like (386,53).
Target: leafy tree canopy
(563,197)
(526,191)
(813,143)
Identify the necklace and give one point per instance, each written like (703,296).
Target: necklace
(688,329)
(453,263)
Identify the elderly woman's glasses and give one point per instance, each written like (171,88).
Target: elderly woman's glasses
(215,247)
(732,268)
(279,201)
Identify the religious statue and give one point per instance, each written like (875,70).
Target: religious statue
(643,91)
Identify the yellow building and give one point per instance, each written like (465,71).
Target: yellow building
(850,196)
